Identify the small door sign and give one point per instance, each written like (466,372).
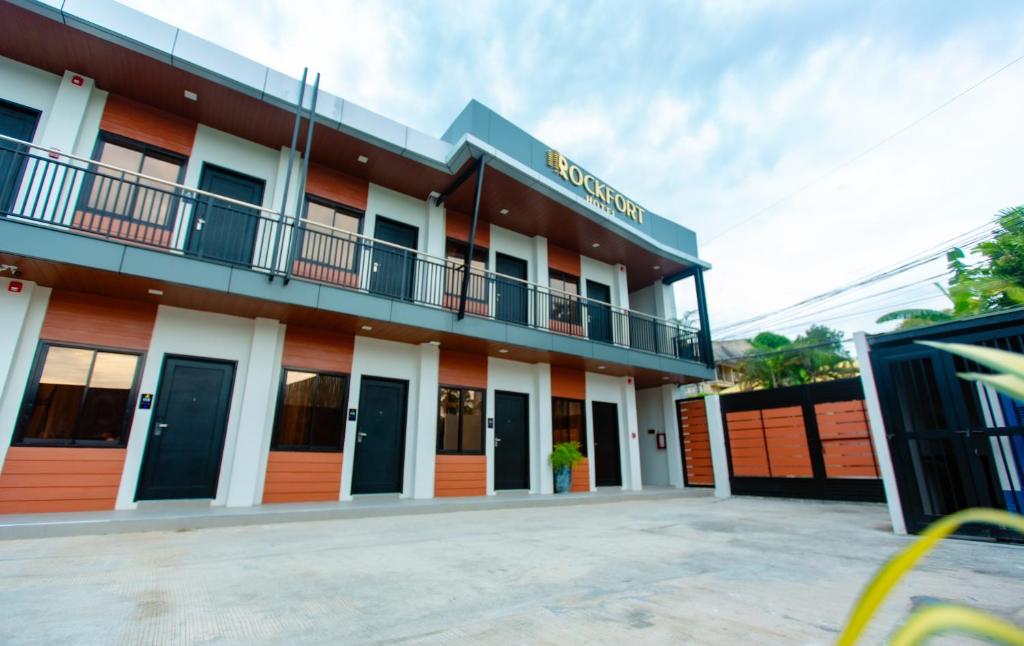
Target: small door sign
(146,401)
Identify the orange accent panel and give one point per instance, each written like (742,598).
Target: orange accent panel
(315,349)
(770,442)
(54,479)
(128,230)
(337,187)
(325,274)
(460,475)
(302,476)
(580,477)
(565,327)
(568,382)
(75,317)
(456,225)
(147,124)
(563,260)
(696,443)
(846,440)
(462,369)
(451,302)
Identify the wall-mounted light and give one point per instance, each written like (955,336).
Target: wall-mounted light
(191,96)
(367,327)
(362,159)
(156,292)
(596,245)
(503,211)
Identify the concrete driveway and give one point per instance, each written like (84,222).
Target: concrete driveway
(691,570)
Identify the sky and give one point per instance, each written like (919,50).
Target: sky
(765,126)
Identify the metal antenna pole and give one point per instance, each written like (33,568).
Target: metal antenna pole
(288,172)
(302,177)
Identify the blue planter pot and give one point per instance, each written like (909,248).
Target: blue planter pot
(563,480)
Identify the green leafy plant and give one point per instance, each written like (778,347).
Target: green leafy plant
(565,454)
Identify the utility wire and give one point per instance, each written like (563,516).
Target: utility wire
(866,151)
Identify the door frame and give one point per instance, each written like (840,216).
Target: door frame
(16,184)
(411,256)
(189,234)
(526,434)
(602,309)
(512,281)
(622,450)
(403,430)
(153,421)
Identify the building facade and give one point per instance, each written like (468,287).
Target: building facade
(205,297)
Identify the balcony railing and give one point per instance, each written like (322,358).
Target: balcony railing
(50,188)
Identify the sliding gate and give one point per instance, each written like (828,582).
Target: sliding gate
(809,441)
(955,444)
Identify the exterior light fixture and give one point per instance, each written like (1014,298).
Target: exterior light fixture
(191,96)
(503,211)
(367,327)
(362,159)
(503,350)
(434,342)
(156,292)
(596,245)
(600,367)
(656,267)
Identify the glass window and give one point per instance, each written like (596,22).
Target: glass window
(311,414)
(568,423)
(80,395)
(460,424)
(327,238)
(122,194)
(565,304)
(455,252)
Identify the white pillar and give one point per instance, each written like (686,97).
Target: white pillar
(878,436)
(435,229)
(21,319)
(64,119)
(543,479)
(256,420)
(716,435)
(425,439)
(672,445)
(634,481)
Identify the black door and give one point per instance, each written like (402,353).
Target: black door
(599,315)
(20,123)
(393,271)
(608,467)
(511,441)
(186,437)
(511,296)
(224,231)
(380,436)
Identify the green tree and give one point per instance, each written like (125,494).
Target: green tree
(775,360)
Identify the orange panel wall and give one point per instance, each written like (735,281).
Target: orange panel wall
(846,440)
(302,476)
(76,317)
(580,476)
(460,475)
(696,443)
(563,260)
(316,349)
(337,187)
(144,123)
(747,448)
(462,369)
(54,479)
(456,225)
(770,442)
(568,382)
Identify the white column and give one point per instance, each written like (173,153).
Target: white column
(620,289)
(435,232)
(64,119)
(21,319)
(544,482)
(634,481)
(671,426)
(425,440)
(716,435)
(256,421)
(878,435)
(290,204)
(664,300)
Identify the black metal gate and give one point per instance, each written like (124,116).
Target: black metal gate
(955,444)
(810,441)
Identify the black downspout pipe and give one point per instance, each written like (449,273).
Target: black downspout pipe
(288,173)
(702,313)
(302,178)
(467,263)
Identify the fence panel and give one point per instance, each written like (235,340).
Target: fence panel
(696,443)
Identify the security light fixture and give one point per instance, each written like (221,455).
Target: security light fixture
(600,367)
(156,292)
(503,350)
(362,159)
(191,96)
(596,245)
(434,342)
(367,327)
(503,211)
(656,267)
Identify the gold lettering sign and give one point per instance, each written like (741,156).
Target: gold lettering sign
(599,194)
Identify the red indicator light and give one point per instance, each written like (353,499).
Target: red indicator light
(15,286)
(77,80)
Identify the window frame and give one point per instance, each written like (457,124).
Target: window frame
(275,444)
(457,269)
(32,390)
(559,303)
(583,420)
(147,150)
(355,239)
(462,403)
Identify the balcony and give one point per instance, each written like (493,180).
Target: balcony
(47,188)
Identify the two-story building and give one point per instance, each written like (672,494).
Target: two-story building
(222,283)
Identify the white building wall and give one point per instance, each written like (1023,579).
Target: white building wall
(655,409)
(383,202)
(208,336)
(30,87)
(417,365)
(21,319)
(618,391)
(518,377)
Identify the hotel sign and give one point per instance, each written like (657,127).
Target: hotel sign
(599,194)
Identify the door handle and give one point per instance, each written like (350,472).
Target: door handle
(199,224)
(359,437)
(159,430)
(375,266)
(497,441)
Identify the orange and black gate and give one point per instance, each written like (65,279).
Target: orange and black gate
(695,443)
(810,441)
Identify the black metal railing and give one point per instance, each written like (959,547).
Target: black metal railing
(50,188)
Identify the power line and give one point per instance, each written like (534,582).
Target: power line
(865,152)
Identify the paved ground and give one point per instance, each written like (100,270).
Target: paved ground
(745,570)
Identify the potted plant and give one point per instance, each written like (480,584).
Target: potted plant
(564,456)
